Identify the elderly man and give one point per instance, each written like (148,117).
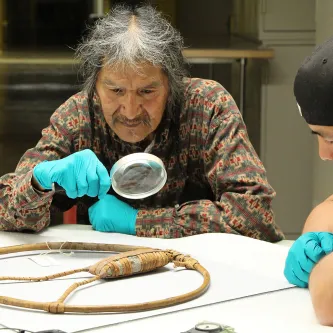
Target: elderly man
(136,95)
(310,259)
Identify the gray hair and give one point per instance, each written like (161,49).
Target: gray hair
(128,37)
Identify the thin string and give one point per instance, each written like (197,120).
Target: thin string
(57,251)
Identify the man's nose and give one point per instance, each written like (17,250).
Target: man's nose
(131,105)
(325,151)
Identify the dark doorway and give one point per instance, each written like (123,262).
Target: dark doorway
(129,2)
(45,24)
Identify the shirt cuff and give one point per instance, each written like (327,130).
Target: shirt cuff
(27,196)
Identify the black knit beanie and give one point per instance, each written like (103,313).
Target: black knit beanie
(313,86)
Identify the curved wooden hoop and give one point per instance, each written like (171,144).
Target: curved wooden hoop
(60,307)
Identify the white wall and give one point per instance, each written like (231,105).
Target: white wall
(287,144)
(287,26)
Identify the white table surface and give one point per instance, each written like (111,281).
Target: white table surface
(288,310)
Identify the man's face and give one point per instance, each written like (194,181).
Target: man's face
(325,141)
(133,102)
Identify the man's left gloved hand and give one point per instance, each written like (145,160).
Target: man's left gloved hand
(110,214)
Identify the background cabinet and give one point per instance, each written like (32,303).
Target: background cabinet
(289,19)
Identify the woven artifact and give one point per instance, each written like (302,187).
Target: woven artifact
(130,260)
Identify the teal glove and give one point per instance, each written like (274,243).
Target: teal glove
(306,251)
(110,214)
(79,174)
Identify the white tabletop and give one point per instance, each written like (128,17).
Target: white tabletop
(288,310)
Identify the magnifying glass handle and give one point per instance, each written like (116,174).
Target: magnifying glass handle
(58,188)
(88,200)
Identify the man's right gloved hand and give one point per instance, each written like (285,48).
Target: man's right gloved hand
(306,251)
(79,174)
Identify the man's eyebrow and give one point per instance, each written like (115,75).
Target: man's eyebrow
(109,82)
(153,84)
(316,133)
(323,135)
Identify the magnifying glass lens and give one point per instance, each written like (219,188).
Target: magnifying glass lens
(138,178)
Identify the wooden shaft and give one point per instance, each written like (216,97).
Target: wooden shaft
(44,278)
(21,303)
(76,246)
(74,286)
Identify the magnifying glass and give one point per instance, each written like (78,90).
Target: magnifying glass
(138,175)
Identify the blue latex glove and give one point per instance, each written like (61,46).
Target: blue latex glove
(79,174)
(306,251)
(110,214)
